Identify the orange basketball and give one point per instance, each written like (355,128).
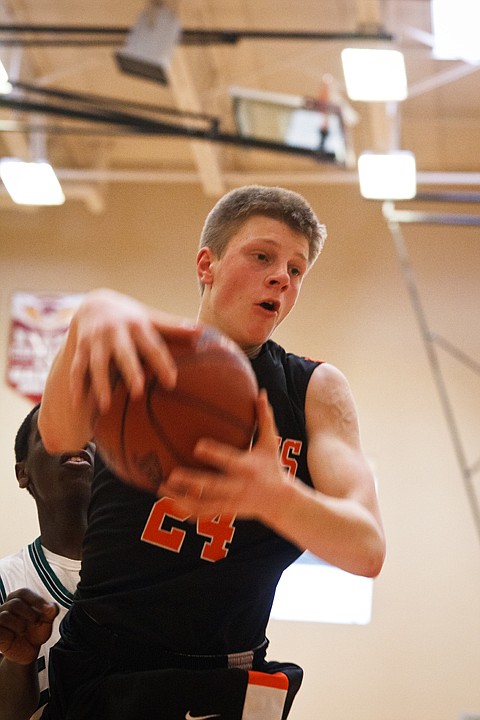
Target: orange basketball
(143,440)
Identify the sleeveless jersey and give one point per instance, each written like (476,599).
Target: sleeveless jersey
(30,568)
(203,587)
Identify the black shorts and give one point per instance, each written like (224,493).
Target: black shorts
(95,674)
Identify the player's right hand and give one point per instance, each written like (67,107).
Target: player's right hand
(114,330)
(25,624)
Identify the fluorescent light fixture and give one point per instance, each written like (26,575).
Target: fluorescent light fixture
(5,86)
(3,74)
(374,75)
(150,44)
(455,25)
(31,183)
(387,177)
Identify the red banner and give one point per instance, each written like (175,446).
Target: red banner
(38,325)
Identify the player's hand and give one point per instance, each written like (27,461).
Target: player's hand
(25,624)
(241,483)
(111,330)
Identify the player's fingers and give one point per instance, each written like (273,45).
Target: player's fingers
(28,596)
(49,612)
(39,634)
(152,341)
(202,499)
(154,351)
(174,327)
(15,620)
(87,375)
(131,347)
(79,376)
(118,353)
(267,429)
(26,607)
(126,357)
(19,649)
(202,490)
(7,637)
(217,455)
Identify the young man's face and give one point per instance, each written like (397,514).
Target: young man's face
(256,282)
(56,478)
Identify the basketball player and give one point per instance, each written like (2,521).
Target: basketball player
(37,583)
(150,600)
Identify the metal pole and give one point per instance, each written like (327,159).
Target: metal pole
(429,342)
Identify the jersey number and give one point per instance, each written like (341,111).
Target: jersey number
(219,530)
(288,450)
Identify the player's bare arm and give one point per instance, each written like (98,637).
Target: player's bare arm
(109,330)
(337,520)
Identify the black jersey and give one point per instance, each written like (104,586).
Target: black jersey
(195,587)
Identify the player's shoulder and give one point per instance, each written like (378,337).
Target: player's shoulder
(14,559)
(288,358)
(328,373)
(12,573)
(329,385)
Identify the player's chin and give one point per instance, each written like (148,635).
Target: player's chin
(78,476)
(76,483)
(258,335)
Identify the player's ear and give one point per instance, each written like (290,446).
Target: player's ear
(205,259)
(21,473)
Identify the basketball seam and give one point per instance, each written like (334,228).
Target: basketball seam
(179,457)
(208,406)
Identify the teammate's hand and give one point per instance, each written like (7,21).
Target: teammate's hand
(25,624)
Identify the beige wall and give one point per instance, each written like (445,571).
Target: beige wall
(419,659)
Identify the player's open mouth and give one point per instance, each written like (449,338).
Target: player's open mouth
(270,305)
(79,458)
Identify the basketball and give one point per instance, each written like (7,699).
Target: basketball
(215,396)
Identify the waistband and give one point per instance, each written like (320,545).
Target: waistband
(136,654)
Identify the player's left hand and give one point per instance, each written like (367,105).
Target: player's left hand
(240,482)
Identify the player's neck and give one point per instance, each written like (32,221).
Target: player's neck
(252,352)
(63,535)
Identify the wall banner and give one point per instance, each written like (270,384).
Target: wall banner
(38,323)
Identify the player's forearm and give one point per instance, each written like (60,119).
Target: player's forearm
(339,530)
(19,691)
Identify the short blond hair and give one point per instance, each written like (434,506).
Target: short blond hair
(237,206)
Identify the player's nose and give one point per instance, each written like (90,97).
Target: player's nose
(279,276)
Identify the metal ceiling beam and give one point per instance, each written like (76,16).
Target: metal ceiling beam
(149,126)
(414,217)
(181,80)
(24,34)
